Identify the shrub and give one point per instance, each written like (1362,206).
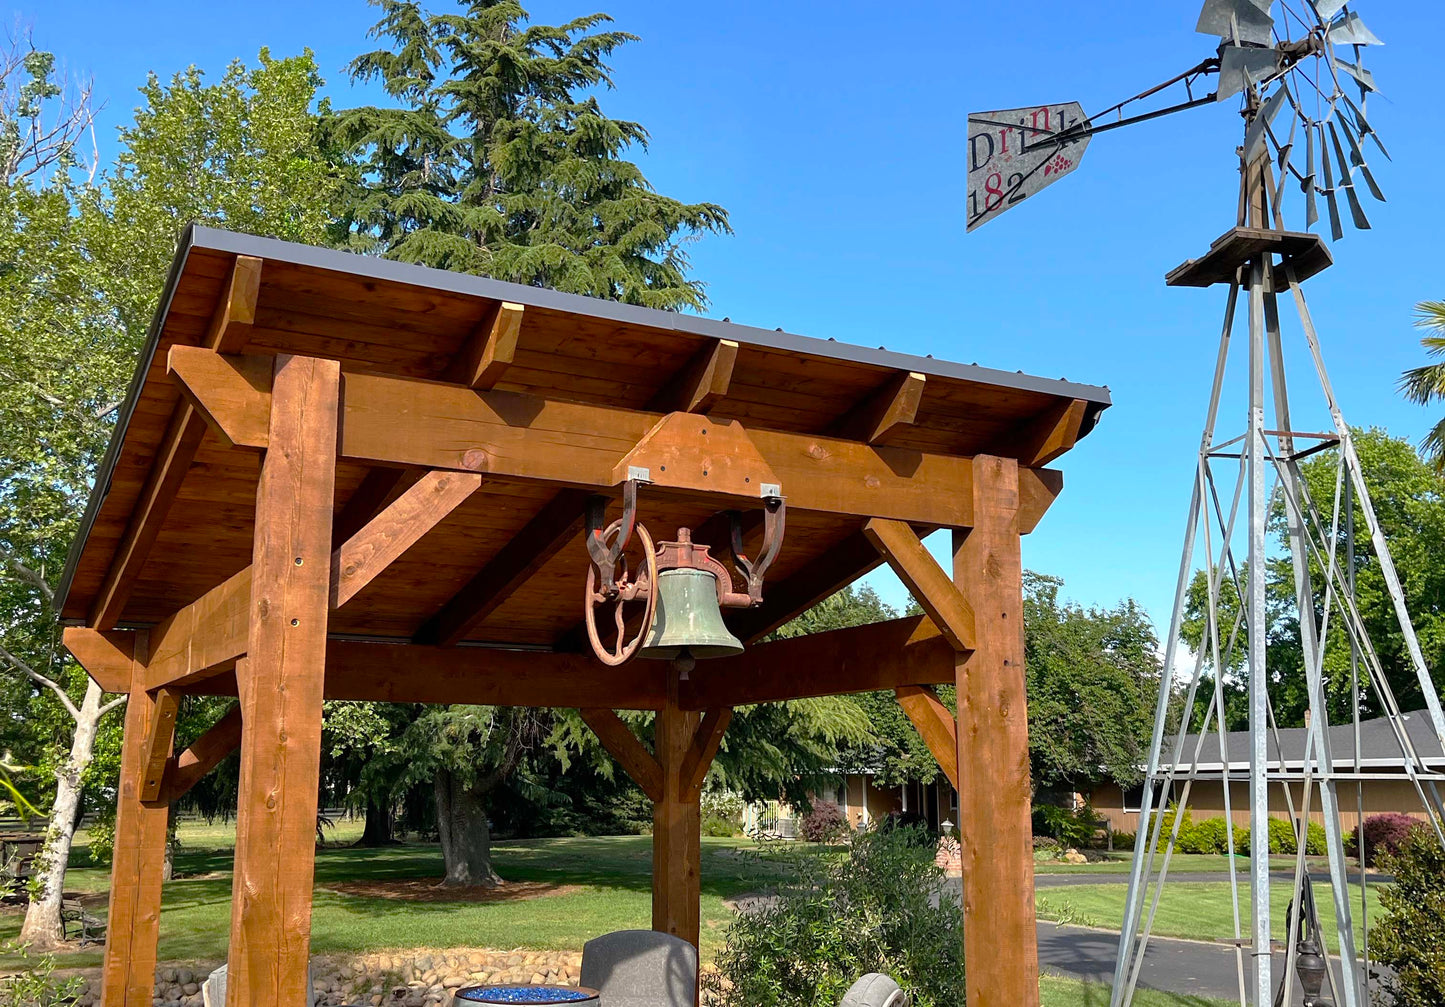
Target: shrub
(36,985)
(824,824)
(872,910)
(1123,840)
(1071,828)
(712,825)
(1383,834)
(1208,836)
(720,803)
(1411,932)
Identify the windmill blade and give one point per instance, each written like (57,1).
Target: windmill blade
(1014,153)
(1312,212)
(1251,18)
(1356,210)
(1363,77)
(1357,158)
(1239,65)
(1331,203)
(1327,9)
(1352,31)
(1364,126)
(1254,136)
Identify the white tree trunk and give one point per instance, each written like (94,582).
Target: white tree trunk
(42,917)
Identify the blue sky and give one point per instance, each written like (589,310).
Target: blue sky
(835,137)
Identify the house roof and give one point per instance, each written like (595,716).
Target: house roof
(1380,747)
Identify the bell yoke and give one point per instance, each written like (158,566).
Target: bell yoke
(680,585)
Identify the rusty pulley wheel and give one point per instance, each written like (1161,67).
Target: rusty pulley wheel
(630,591)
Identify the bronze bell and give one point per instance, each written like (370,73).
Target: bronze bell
(688,619)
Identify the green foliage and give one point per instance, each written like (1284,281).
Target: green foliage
(1410,937)
(500,161)
(1074,828)
(1426,384)
(869,911)
(1092,676)
(36,984)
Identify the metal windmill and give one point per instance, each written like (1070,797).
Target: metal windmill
(1297,73)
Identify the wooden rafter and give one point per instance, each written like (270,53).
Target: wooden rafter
(204,754)
(405,421)
(935,724)
(227,332)
(489,349)
(889,408)
(925,579)
(160,735)
(1053,433)
(557,525)
(702,383)
(631,754)
(396,529)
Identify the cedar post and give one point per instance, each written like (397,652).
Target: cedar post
(133,926)
(280,685)
(676,824)
(999,936)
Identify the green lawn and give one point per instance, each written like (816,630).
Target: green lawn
(609,883)
(1190,909)
(1058,992)
(1121,862)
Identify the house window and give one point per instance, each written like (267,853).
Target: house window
(841,798)
(1134,799)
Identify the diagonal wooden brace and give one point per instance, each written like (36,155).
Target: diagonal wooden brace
(926,580)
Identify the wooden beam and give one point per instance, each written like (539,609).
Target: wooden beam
(676,824)
(704,747)
(884,655)
(482,676)
(995,830)
(925,579)
(208,635)
(379,488)
(228,331)
(281,682)
(203,638)
(702,383)
(934,724)
(107,656)
(133,928)
(784,600)
(204,754)
(160,735)
(396,529)
(889,408)
(622,745)
(1051,434)
(489,349)
(407,421)
(557,525)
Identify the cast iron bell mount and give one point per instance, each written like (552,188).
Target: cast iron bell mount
(677,590)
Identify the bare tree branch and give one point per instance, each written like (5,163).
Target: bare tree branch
(42,680)
(30,576)
(118,701)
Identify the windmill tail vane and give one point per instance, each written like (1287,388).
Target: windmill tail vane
(1015,153)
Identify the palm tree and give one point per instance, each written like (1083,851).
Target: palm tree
(1427,384)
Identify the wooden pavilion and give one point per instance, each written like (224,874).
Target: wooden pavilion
(337,477)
